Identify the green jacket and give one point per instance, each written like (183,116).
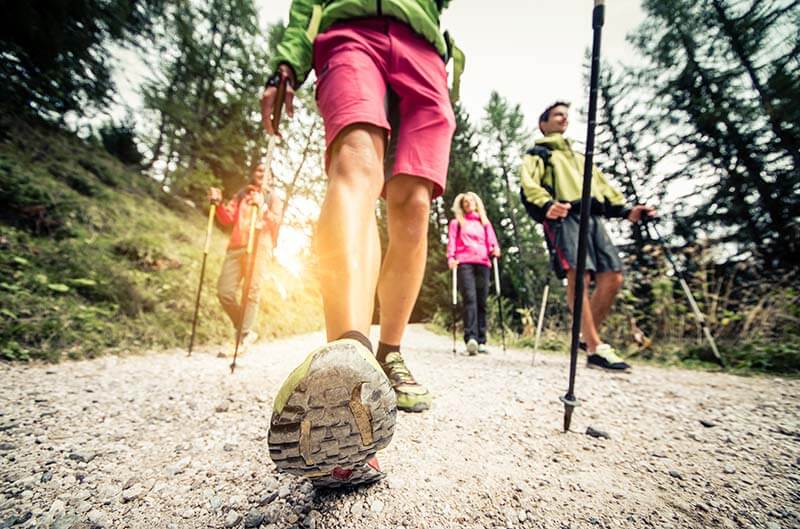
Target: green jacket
(307,18)
(561,179)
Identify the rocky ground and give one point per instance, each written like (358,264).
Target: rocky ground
(162,440)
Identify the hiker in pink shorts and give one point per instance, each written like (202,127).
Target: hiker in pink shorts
(382,91)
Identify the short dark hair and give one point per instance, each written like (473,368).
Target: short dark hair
(546,114)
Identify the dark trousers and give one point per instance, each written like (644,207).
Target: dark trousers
(473,283)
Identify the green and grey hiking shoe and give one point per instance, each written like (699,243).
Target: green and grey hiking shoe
(605,357)
(482,349)
(472,347)
(333,412)
(411,396)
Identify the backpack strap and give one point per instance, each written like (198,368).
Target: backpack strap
(545,153)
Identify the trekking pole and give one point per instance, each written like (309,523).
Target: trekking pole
(569,400)
(540,322)
(698,315)
(454,282)
(252,238)
(211,212)
(499,299)
(701,319)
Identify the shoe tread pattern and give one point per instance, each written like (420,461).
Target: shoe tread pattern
(320,409)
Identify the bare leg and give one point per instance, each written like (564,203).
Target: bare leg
(607,284)
(408,202)
(347,243)
(588,328)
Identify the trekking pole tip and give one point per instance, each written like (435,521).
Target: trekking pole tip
(570,403)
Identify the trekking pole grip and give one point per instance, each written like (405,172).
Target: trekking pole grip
(598,15)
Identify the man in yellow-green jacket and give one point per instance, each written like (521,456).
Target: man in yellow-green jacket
(552,178)
(381,89)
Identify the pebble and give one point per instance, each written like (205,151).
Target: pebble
(270,483)
(707,423)
(178,467)
(232,519)
(268,498)
(599,434)
(676,474)
(376,506)
(284,491)
(253,518)
(236,501)
(215,502)
(357,509)
(82,456)
(729,469)
(98,518)
(222,407)
(63,522)
(133,492)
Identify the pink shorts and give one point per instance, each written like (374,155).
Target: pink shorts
(370,69)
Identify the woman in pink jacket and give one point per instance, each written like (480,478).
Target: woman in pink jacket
(471,243)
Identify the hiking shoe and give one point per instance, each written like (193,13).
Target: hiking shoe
(482,349)
(605,357)
(331,415)
(411,396)
(472,347)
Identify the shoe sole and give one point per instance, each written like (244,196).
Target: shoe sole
(608,370)
(339,414)
(416,408)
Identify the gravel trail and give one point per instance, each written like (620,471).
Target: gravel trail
(162,440)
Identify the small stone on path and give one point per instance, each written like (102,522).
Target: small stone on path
(232,519)
(598,434)
(253,518)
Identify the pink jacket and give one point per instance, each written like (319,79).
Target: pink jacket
(471,243)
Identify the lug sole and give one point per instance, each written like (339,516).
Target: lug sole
(339,414)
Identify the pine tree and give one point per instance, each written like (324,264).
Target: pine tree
(719,73)
(54,54)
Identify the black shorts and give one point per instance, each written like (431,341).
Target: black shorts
(562,242)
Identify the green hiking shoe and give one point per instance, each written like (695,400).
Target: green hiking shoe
(606,358)
(333,412)
(411,396)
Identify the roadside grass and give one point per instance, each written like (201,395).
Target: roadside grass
(95,258)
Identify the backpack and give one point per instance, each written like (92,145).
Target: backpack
(538,213)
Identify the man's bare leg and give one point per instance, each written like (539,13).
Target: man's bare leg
(408,203)
(347,234)
(341,384)
(606,286)
(408,200)
(590,335)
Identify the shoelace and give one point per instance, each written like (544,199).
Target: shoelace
(397,368)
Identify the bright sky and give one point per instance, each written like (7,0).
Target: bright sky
(530,51)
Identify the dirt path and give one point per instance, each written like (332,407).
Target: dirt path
(168,441)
